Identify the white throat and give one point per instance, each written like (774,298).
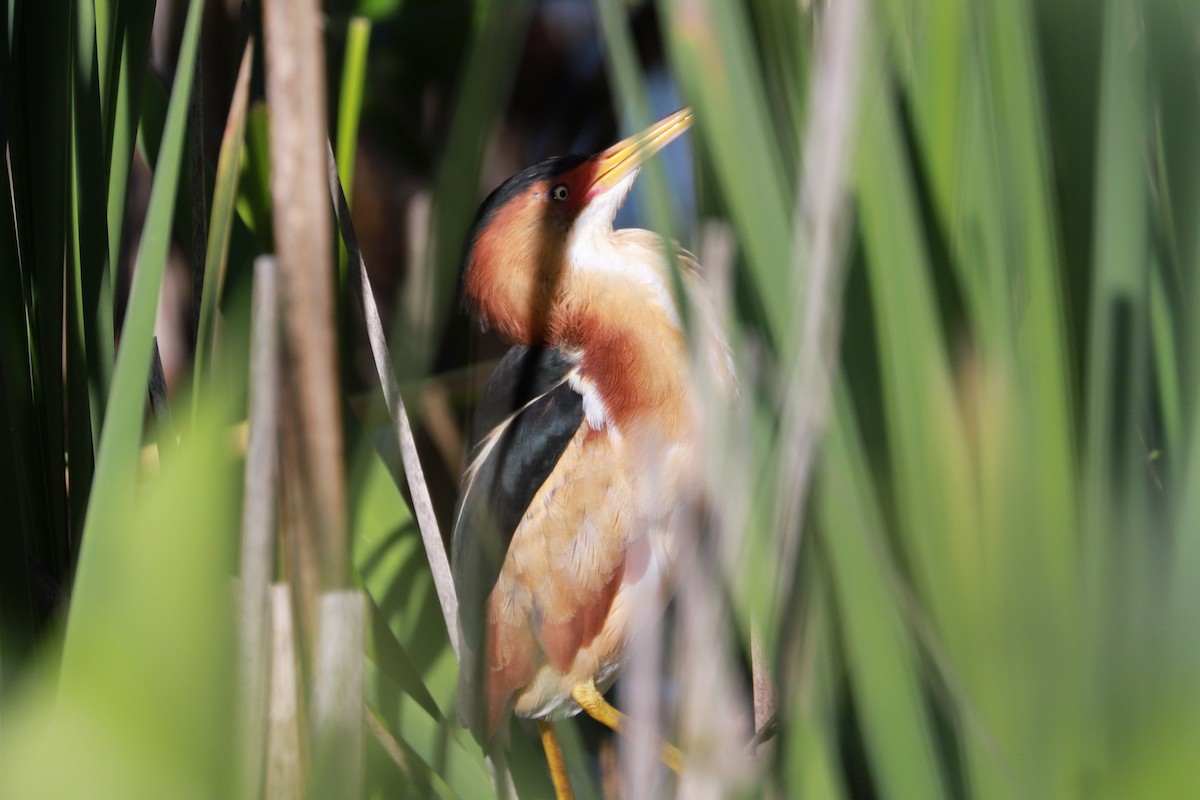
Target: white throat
(594,247)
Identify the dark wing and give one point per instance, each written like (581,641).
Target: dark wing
(525,420)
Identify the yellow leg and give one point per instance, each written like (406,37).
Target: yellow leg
(554,757)
(599,709)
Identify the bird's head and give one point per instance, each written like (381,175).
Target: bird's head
(528,231)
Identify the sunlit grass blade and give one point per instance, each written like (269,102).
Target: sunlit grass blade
(220,227)
(116,461)
(349,114)
(350,100)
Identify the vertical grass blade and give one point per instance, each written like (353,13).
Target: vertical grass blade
(113,495)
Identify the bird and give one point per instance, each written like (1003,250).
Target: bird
(585,448)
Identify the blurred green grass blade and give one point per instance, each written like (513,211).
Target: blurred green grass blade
(1012,78)
(1112,454)
(711,51)
(938,38)
(1117,319)
(975,221)
(914,362)
(145,708)
(900,736)
(225,190)
(117,458)
(1126,630)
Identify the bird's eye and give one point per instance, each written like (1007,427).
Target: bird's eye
(560,192)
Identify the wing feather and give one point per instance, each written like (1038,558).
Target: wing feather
(528,415)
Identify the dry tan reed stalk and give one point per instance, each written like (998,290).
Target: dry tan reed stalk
(312,471)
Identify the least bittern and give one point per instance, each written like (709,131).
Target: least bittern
(585,443)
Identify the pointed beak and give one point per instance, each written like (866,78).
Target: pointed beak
(617,162)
